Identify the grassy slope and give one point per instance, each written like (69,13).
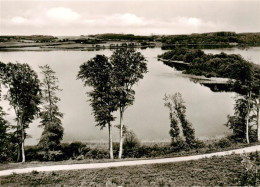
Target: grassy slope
(213,171)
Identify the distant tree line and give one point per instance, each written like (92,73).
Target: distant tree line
(36,38)
(88,41)
(119,37)
(214,38)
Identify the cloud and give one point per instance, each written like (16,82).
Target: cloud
(62,14)
(65,20)
(193,21)
(18,20)
(127,19)
(116,20)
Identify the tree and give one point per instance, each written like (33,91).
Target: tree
(247,105)
(4,126)
(256,98)
(50,116)
(241,122)
(3,136)
(97,73)
(177,109)
(128,67)
(256,106)
(174,127)
(24,96)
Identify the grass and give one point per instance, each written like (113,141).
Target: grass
(211,171)
(50,163)
(5,166)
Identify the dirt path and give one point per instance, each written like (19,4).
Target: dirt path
(127,163)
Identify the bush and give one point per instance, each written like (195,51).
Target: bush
(50,155)
(131,144)
(97,154)
(250,175)
(74,149)
(199,144)
(179,145)
(32,153)
(223,143)
(130,140)
(145,151)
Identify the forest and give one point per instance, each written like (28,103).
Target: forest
(212,40)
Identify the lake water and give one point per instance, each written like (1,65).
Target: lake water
(148,117)
(251,54)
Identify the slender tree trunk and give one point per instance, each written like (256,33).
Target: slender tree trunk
(110,142)
(247,118)
(19,143)
(18,152)
(257,120)
(23,154)
(50,103)
(19,137)
(121,134)
(247,129)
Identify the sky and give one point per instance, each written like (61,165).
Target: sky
(142,17)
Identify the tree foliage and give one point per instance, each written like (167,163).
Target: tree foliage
(4,135)
(219,65)
(177,109)
(237,122)
(129,67)
(97,73)
(174,124)
(23,95)
(50,115)
(246,117)
(214,38)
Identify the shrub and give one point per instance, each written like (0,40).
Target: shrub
(179,145)
(31,153)
(250,175)
(199,144)
(74,149)
(130,140)
(131,144)
(223,143)
(97,154)
(50,155)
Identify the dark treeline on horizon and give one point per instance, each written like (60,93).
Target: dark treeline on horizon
(210,38)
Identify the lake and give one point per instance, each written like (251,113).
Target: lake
(148,117)
(251,54)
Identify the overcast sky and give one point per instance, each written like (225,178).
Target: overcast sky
(70,17)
